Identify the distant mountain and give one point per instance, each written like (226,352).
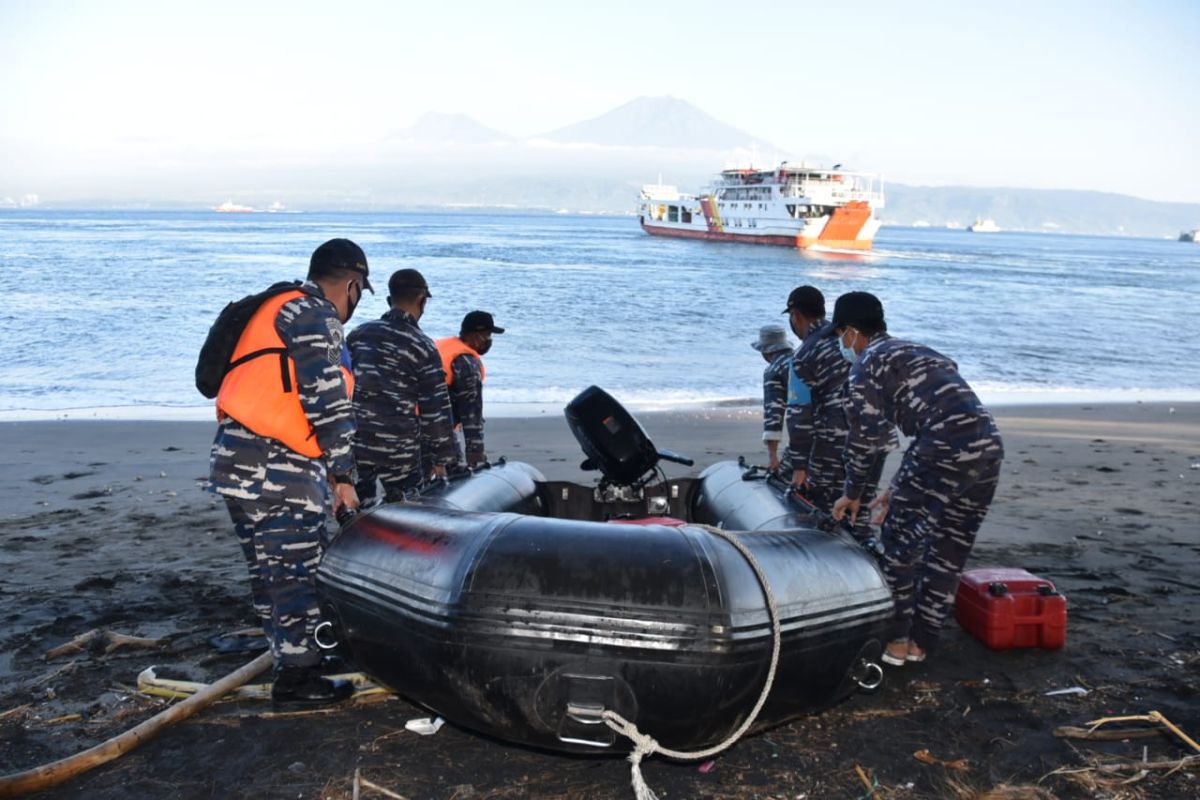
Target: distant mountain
(658,122)
(450,128)
(1048,210)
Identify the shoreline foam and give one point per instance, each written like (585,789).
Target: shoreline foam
(992,397)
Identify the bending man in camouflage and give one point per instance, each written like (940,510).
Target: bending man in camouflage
(777,352)
(400,396)
(283,441)
(817,416)
(946,482)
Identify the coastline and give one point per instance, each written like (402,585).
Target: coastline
(105,526)
(998,398)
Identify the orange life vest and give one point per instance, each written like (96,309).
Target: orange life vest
(261,392)
(451,348)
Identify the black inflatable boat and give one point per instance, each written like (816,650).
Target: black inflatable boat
(524,608)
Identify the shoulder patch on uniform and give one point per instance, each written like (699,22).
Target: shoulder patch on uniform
(334,353)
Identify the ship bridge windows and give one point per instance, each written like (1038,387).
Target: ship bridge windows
(672,213)
(801,211)
(685,215)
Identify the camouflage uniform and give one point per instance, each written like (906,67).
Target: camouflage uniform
(775,401)
(817,422)
(397,369)
(466,402)
(277,497)
(944,485)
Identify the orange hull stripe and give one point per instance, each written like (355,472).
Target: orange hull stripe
(845,224)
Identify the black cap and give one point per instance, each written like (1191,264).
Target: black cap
(339,254)
(479,321)
(807,300)
(407,279)
(853,308)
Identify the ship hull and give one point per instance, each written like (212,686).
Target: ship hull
(778,240)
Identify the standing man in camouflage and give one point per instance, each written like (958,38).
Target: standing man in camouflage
(816,408)
(462,363)
(777,352)
(400,398)
(283,442)
(941,492)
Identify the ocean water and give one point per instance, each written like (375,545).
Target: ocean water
(107,309)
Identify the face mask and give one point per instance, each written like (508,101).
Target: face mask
(847,352)
(483,348)
(351,304)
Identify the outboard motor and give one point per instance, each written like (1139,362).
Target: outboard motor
(613,441)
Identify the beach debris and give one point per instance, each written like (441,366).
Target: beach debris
(48,775)
(14,711)
(361,783)
(872,784)
(426,726)
(1073,690)
(63,718)
(1116,735)
(707,766)
(54,673)
(148,683)
(101,640)
(1153,716)
(926,757)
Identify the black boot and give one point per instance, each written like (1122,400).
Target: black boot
(298,688)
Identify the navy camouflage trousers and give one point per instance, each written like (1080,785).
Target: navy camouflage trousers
(826,479)
(928,533)
(397,485)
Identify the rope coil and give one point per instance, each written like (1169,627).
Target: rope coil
(645,745)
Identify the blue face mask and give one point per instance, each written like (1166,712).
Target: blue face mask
(847,352)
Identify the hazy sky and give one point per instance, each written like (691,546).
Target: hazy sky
(1085,95)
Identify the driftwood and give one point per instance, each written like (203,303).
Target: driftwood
(48,775)
(362,783)
(1110,735)
(101,639)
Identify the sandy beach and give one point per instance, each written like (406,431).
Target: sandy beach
(106,525)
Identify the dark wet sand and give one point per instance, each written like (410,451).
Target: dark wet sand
(104,526)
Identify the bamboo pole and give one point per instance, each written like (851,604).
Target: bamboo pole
(54,773)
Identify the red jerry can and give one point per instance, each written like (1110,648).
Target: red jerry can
(1004,608)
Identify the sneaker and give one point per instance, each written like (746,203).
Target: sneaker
(297,688)
(896,653)
(915,653)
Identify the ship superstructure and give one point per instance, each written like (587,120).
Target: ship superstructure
(792,206)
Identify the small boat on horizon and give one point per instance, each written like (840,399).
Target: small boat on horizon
(981,225)
(789,206)
(1190,236)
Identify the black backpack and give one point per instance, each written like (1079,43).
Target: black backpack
(216,354)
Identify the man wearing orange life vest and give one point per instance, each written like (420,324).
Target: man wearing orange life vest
(463,364)
(283,446)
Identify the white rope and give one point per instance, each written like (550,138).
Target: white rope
(644,745)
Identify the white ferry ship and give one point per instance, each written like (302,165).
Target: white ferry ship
(790,206)
(981,225)
(230,207)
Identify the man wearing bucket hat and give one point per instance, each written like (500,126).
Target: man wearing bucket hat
(941,493)
(777,352)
